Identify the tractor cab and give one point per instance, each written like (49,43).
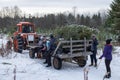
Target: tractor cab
(25,35)
(25,27)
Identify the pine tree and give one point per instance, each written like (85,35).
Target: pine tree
(82,22)
(114,16)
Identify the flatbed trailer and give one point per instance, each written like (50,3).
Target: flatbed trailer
(73,51)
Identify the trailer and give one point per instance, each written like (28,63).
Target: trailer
(73,51)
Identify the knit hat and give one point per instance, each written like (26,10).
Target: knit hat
(108,41)
(51,36)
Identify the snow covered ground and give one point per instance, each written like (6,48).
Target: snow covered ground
(34,69)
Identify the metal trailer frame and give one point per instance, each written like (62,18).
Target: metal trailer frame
(78,52)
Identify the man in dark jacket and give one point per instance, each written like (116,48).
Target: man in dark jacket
(50,51)
(94,51)
(107,53)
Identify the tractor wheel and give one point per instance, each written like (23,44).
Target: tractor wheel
(31,53)
(57,63)
(18,44)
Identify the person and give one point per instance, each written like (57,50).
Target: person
(94,51)
(9,43)
(42,47)
(48,47)
(107,53)
(52,47)
(48,44)
(26,29)
(40,41)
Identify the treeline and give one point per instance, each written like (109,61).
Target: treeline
(10,16)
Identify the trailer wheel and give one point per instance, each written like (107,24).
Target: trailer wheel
(39,55)
(82,63)
(57,63)
(18,44)
(31,53)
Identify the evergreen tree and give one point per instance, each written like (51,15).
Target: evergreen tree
(99,21)
(78,19)
(82,22)
(71,19)
(114,16)
(87,21)
(94,21)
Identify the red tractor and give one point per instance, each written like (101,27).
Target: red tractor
(25,35)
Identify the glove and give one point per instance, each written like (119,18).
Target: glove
(100,57)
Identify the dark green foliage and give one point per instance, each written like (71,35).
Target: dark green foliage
(96,20)
(53,23)
(114,17)
(74,32)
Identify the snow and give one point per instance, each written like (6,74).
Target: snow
(3,40)
(34,69)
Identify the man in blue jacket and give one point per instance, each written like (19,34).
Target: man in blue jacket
(107,53)
(52,47)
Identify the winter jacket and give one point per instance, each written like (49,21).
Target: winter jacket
(107,53)
(48,45)
(52,44)
(44,47)
(94,45)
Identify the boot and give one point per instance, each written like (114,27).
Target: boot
(44,62)
(91,65)
(108,75)
(95,65)
(48,65)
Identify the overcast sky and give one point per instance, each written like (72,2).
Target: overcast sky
(53,6)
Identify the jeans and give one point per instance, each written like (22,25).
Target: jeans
(93,57)
(48,56)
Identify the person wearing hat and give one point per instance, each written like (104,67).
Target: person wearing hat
(94,51)
(107,53)
(52,47)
